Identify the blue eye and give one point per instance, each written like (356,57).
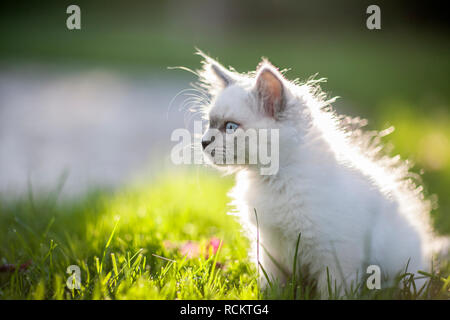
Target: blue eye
(231,127)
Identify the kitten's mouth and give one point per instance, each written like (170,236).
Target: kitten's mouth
(212,157)
(211,154)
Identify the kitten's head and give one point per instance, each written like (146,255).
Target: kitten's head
(244,113)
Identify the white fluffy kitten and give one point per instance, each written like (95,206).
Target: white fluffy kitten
(353,206)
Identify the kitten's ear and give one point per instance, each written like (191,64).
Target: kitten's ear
(270,89)
(214,74)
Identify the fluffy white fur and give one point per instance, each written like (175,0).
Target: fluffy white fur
(353,205)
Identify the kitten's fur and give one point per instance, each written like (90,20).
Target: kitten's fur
(352,205)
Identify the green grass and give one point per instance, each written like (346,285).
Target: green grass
(127,245)
(113,236)
(398,79)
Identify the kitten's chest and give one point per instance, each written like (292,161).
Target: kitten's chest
(276,206)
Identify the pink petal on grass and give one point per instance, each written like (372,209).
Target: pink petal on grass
(191,249)
(213,245)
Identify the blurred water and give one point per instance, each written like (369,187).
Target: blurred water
(100,127)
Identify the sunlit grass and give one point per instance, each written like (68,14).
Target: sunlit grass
(118,239)
(127,245)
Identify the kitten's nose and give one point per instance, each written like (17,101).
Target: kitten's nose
(205,143)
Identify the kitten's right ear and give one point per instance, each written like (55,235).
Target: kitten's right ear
(213,74)
(270,89)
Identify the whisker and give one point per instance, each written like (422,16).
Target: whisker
(183,91)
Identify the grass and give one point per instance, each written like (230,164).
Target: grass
(118,239)
(129,244)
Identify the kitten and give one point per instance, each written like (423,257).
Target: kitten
(352,205)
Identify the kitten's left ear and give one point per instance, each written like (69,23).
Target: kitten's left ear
(270,89)
(214,74)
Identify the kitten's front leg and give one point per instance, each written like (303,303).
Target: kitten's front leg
(275,272)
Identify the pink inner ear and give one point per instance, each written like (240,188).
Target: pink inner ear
(270,90)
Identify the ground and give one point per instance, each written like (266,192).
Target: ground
(170,240)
